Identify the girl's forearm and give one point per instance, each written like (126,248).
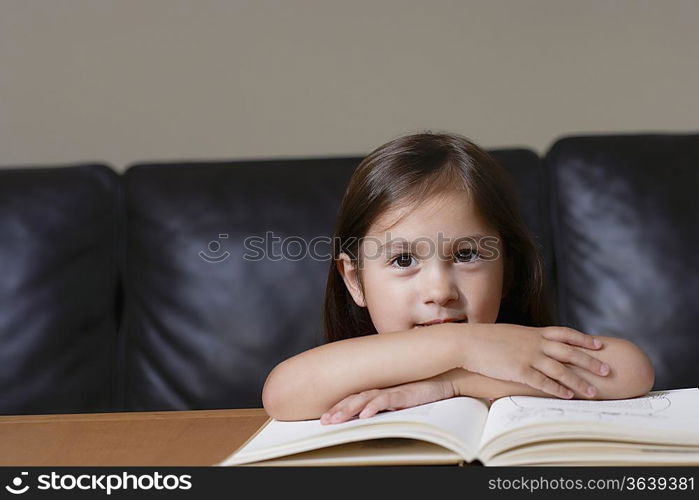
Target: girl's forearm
(306,385)
(631,375)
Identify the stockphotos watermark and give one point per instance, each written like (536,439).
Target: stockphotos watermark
(106,483)
(272,247)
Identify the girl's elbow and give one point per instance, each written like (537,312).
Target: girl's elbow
(648,374)
(283,400)
(639,371)
(273,396)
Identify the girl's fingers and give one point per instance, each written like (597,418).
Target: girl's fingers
(572,337)
(565,376)
(386,400)
(369,411)
(379,403)
(365,404)
(338,412)
(537,380)
(569,354)
(347,408)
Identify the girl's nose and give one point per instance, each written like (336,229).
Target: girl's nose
(439,287)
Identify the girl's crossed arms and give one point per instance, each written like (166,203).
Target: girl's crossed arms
(364,375)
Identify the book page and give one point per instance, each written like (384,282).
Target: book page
(371,452)
(597,452)
(660,413)
(460,419)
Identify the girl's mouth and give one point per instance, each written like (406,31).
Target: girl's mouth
(439,321)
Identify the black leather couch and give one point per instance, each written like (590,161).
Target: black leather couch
(130,292)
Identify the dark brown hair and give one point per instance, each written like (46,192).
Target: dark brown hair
(408,170)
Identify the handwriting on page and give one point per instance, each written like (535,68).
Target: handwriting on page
(654,406)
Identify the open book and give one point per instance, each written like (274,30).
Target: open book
(661,428)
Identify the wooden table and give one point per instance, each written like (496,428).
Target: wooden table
(171,438)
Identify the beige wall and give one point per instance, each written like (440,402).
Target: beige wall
(134,80)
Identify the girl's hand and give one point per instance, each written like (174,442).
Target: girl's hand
(533,356)
(368,403)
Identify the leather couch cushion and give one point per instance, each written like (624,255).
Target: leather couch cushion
(58,289)
(626,237)
(202,324)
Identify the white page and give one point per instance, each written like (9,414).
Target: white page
(659,411)
(444,414)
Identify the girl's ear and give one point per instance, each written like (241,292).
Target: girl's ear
(350,275)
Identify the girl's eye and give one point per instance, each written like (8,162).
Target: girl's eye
(467,255)
(402,260)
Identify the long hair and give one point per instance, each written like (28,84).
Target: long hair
(408,170)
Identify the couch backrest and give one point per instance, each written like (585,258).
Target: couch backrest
(207,311)
(58,289)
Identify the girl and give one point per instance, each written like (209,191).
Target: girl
(428,243)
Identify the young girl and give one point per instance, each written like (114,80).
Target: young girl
(428,243)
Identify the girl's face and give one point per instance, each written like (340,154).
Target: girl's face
(439,262)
